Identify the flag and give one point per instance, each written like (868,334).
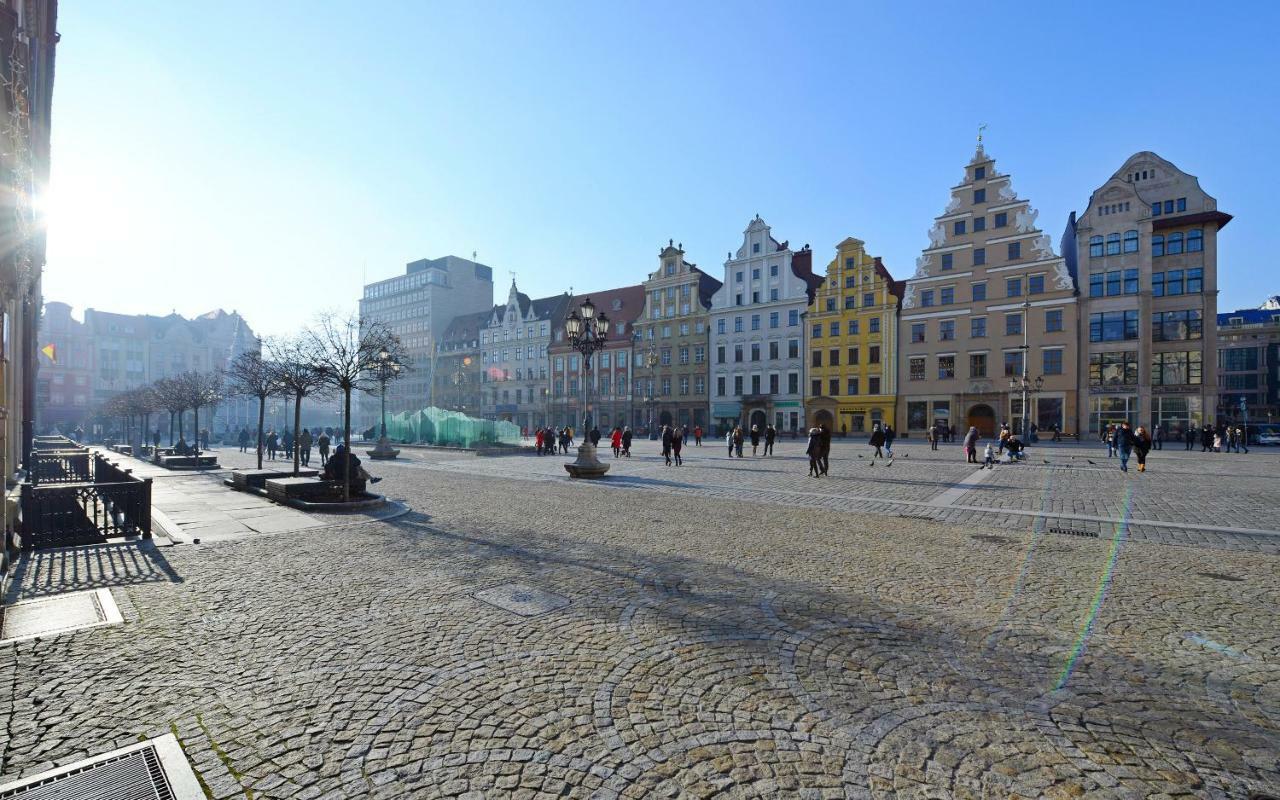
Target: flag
(50,350)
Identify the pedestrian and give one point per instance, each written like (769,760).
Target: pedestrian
(273,444)
(537,441)
(1158,439)
(697,436)
(1217,442)
(244,440)
(814,451)
(626,441)
(877,440)
(989,457)
(737,440)
(770,435)
(728,439)
(677,444)
(1141,446)
(1109,437)
(1206,439)
(755,439)
(1189,436)
(951,434)
(304,446)
(1242,439)
(322,442)
(594,436)
(1122,442)
(615,441)
(971,445)
(931,434)
(889,436)
(667,438)
(1057,432)
(825,438)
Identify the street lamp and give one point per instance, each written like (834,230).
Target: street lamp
(386,370)
(587,333)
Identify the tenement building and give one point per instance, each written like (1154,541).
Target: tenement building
(669,363)
(457,375)
(513,357)
(606,390)
(418,306)
(1147,250)
(1249,365)
(853,335)
(757,333)
(990,308)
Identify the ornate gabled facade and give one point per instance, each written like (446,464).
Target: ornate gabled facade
(671,353)
(852,344)
(757,333)
(513,357)
(1146,250)
(988,282)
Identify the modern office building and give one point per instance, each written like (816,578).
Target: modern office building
(418,306)
(989,305)
(852,344)
(757,333)
(610,400)
(670,359)
(1249,365)
(513,357)
(1146,254)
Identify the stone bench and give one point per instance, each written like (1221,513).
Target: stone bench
(310,490)
(187,462)
(256,479)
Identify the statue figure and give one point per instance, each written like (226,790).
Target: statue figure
(937,235)
(909,297)
(1025,220)
(954,205)
(1006,191)
(922,265)
(1045,245)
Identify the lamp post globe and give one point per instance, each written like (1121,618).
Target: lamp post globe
(587,334)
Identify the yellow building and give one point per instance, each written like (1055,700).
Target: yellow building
(852,343)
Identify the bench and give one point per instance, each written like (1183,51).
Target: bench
(187,462)
(310,490)
(256,479)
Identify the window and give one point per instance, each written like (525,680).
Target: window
(815,358)
(979,224)
(1052,362)
(793,348)
(868,299)
(817,330)
(666,356)
(979,195)
(1157,245)
(773,349)
(1113,369)
(719,354)
(958,227)
(773,383)
(1053,320)
(793,317)
(850,302)
(851,386)
(737,299)
(720,326)
(720,386)
(853,327)
(978,328)
(1238,359)
(1174,326)
(979,256)
(816,386)
(737,353)
(834,328)
(1173,244)
(1015,251)
(1155,209)
(1013,324)
(1013,287)
(1035,284)
(1130,281)
(1113,244)
(1131,241)
(834,386)
(947,330)
(979,173)
(755,297)
(737,276)
(979,291)
(1114,284)
(1195,241)
(793,382)
(1012,363)
(684,356)
(1182,204)
(926,298)
(737,324)
(874,325)
(773,295)
(773,270)
(755,322)
(773,319)
(737,384)
(1002,219)
(1096,284)
(1173,282)
(873,354)
(755,274)
(977,365)
(947,295)
(755,351)
(915,368)
(1195,280)
(1113,326)
(853,355)
(946,367)
(1095,247)
(1168,206)
(947,261)
(1176,369)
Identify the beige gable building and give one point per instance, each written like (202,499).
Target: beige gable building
(989,305)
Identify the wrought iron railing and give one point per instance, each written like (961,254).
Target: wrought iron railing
(53,443)
(60,466)
(65,515)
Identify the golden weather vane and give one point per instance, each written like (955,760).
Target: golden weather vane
(981,127)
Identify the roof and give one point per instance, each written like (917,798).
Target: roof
(802,268)
(896,288)
(707,286)
(1249,316)
(624,304)
(465,328)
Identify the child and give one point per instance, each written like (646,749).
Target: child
(990,457)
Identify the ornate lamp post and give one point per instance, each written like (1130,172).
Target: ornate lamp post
(1027,388)
(587,333)
(651,360)
(386,371)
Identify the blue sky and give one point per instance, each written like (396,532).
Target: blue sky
(264,157)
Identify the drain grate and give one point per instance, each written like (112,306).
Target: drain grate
(1074,532)
(1219,576)
(521,599)
(925,517)
(47,616)
(152,770)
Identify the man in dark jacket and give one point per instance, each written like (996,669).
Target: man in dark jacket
(1122,440)
(770,433)
(1189,436)
(826,448)
(877,441)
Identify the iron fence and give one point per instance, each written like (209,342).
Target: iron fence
(60,466)
(66,515)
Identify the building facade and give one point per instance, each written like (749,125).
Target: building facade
(757,333)
(609,386)
(853,343)
(671,353)
(990,302)
(1249,365)
(1145,251)
(457,376)
(513,357)
(418,306)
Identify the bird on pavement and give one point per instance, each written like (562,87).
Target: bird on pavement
(1092,462)
(1045,460)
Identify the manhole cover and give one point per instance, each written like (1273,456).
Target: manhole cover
(986,537)
(518,598)
(47,616)
(1219,576)
(155,769)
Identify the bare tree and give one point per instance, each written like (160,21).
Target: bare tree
(203,389)
(172,396)
(346,351)
(294,369)
(249,375)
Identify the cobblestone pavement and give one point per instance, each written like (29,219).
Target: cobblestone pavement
(785,646)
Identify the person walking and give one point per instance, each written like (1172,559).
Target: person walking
(1109,437)
(677,444)
(667,439)
(971,445)
(594,436)
(825,453)
(697,436)
(322,442)
(728,439)
(755,440)
(244,439)
(1057,432)
(304,447)
(1122,441)
(931,434)
(889,436)
(1206,439)
(626,441)
(877,440)
(273,444)
(770,434)
(737,440)
(814,451)
(1141,446)
(989,457)
(615,441)
(1158,440)
(1189,436)
(1242,439)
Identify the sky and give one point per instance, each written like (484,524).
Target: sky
(270,158)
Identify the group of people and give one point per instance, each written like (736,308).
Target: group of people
(620,441)
(735,437)
(282,444)
(1223,438)
(818,450)
(548,441)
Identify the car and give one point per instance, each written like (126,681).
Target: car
(1271,437)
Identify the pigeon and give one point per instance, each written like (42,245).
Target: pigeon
(906,455)
(1092,462)
(859,455)
(1045,460)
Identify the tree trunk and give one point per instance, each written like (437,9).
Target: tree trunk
(297,420)
(262,413)
(195,428)
(346,438)
(181,414)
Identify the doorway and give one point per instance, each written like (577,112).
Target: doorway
(983,417)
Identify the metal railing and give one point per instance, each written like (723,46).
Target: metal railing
(75,497)
(60,466)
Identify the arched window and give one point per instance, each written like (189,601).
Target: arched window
(1174,244)
(1195,241)
(1113,244)
(1095,246)
(1131,241)
(1157,245)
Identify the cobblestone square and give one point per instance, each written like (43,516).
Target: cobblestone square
(733,628)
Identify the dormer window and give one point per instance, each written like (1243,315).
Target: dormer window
(755,247)
(671,268)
